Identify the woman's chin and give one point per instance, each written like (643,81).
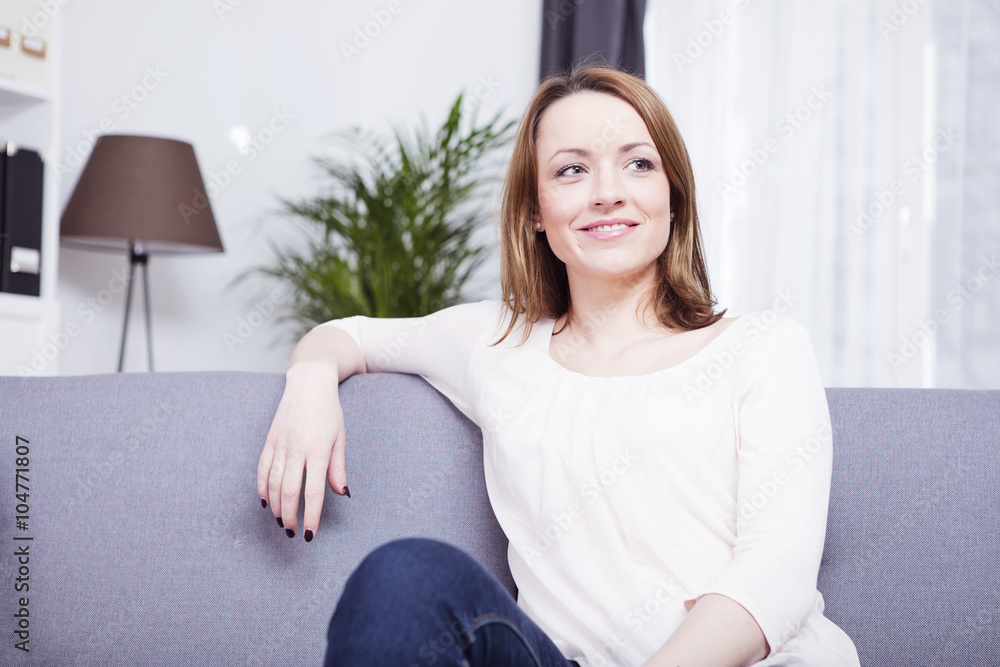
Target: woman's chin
(617,272)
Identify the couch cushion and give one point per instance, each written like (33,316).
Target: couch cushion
(150,546)
(911,569)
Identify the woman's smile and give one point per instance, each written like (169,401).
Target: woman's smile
(609,230)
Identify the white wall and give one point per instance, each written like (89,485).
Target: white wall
(220,70)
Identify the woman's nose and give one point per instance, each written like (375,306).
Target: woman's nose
(607,191)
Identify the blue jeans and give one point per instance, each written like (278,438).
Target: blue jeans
(416,602)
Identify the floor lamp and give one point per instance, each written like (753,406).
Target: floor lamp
(143,195)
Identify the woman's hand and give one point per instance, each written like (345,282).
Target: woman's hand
(307,433)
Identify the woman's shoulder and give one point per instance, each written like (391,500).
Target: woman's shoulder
(765,334)
(478,318)
(768,323)
(482,311)
(773,338)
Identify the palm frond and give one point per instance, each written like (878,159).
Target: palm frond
(392,234)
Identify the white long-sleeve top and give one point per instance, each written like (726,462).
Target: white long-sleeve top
(625,497)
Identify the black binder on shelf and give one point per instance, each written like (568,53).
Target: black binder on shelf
(21,176)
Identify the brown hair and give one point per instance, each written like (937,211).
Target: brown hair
(533,280)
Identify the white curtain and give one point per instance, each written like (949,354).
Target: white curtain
(967,238)
(813,132)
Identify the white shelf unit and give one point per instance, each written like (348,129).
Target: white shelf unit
(30,117)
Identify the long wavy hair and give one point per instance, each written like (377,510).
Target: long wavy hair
(533,280)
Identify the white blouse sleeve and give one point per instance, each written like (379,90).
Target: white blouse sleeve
(438,347)
(785,460)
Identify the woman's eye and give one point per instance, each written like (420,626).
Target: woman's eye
(643,164)
(571,170)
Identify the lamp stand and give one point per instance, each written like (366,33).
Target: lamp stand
(137,256)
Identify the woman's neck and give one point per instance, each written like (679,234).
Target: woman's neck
(603,311)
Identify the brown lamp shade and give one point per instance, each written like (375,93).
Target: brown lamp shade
(141,190)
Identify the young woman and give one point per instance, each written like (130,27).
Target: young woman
(685,456)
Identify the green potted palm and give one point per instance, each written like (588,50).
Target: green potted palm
(392,235)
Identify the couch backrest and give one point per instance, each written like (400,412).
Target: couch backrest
(911,568)
(149,545)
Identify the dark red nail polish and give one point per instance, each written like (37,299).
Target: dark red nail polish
(347,492)
(289,532)
(280,522)
(263,502)
(309,536)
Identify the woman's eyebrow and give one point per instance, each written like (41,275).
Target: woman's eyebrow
(629,147)
(583,152)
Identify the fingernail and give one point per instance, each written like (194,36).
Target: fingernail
(309,536)
(347,492)
(280,522)
(263,502)
(289,532)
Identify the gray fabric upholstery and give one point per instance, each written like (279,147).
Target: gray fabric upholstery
(150,546)
(911,568)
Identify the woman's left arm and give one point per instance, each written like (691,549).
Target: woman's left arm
(697,641)
(785,462)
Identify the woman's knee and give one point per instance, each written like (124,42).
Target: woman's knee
(411,562)
(402,589)
(412,549)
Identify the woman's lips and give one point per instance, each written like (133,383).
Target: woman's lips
(609,231)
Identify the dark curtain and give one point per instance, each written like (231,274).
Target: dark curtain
(610,29)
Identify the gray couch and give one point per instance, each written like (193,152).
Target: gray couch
(149,546)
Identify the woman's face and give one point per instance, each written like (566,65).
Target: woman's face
(602,190)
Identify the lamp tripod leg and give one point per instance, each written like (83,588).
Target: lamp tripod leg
(146,309)
(128,304)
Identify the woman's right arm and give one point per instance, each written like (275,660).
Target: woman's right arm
(307,433)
